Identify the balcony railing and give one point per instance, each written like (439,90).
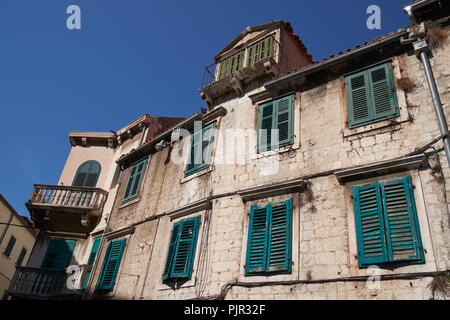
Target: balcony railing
(37,283)
(68,197)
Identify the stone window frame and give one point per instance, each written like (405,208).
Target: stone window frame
(294,275)
(422,216)
(402,106)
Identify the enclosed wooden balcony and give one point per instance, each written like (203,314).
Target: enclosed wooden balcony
(66,209)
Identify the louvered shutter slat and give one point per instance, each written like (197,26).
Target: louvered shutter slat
(402,231)
(383,91)
(369,225)
(257,240)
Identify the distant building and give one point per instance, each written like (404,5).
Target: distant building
(17,238)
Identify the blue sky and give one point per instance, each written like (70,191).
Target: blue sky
(132,57)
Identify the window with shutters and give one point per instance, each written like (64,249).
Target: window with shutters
(262,49)
(59,254)
(10,246)
(134,181)
(276,123)
(181,252)
(201,147)
(269,239)
(230,65)
(371,96)
(386,222)
(23,252)
(111,264)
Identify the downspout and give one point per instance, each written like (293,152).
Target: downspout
(423,51)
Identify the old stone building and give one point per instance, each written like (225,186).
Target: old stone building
(302,179)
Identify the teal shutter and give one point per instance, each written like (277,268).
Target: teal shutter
(402,228)
(91,260)
(201,147)
(185,251)
(280,235)
(371,96)
(171,251)
(111,265)
(181,253)
(10,246)
(369,225)
(258,231)
(134,181)
(59,253)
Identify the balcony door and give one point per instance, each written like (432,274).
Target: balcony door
(59,253)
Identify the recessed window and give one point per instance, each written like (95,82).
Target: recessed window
(87,174)
(23,252)
(180,256)
(269,239)
(201,147)
(276,119)
(10,246)
(386,222)
(262,49)
(134,181)
(371,96)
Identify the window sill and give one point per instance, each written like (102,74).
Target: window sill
(130,202)
(197,174)
(264,154)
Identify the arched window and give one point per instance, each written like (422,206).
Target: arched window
(87,174)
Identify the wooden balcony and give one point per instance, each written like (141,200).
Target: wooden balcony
(37,283)
(66,209)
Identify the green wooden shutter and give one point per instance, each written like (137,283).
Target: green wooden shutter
(134,181)
(59,253)
(91,260)
(280,235)
(258,231)
(185,252)
(171,252)
(370,232)
(111,264)
(284,119)
(402,228)
(265,125)
(207,142)
(201,147)
(383,92)
(358,99)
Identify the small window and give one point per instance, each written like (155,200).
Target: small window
(371,96)
(201,147)
(87,174)
(10,246)
(386,222)
(269,239)
(180,256)
(276,116)
(111,264)
(23,252)
(134,181)
(262,49)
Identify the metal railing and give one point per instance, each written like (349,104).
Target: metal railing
(43,283)
(68,197)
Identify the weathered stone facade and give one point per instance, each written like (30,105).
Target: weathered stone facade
(324,249)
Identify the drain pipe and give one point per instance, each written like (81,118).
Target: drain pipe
(421,47)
